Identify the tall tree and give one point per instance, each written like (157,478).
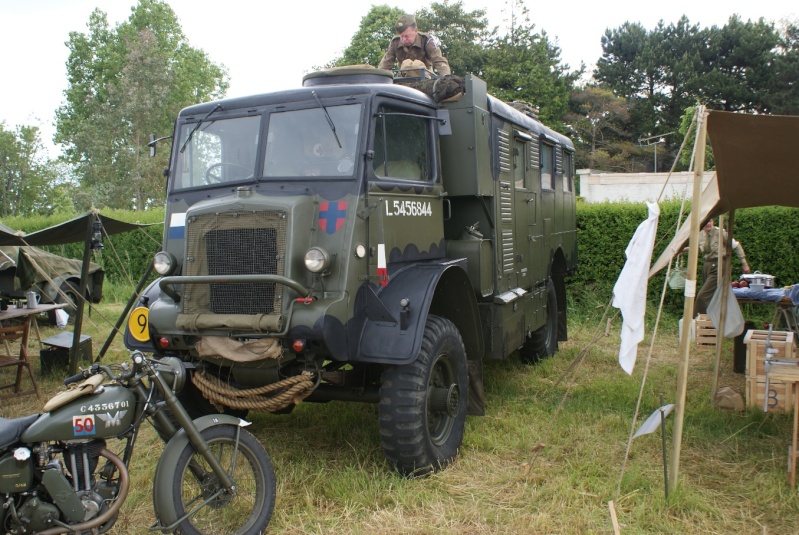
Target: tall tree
(598,124)
(27,176)
(370,41)
(125,83)
(741,66)
(738,61)
(524,65)
(462,34)
(785,97)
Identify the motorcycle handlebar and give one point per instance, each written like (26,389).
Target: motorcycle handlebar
(83,374)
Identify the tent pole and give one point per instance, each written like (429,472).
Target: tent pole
(690,295)
(725,248)
(136,295)
(81,299)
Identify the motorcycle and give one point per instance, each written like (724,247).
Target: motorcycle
(58,475)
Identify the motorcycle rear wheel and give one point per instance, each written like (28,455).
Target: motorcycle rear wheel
(248,510)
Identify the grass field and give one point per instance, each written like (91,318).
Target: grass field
(546,458)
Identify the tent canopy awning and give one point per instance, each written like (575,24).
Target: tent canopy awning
(71,231)
(755,166)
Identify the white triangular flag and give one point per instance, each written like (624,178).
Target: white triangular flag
(653,422)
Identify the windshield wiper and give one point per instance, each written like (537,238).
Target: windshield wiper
(327,116)
(196,126)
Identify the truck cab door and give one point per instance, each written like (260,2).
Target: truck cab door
(404,188)
(522,200)
(547,204)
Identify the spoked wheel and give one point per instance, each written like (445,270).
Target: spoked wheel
(245,511)
(543,342)
(423,404)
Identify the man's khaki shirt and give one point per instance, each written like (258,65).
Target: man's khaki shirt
(424,48)
(709,245)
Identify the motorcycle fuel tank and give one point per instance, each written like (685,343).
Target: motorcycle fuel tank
(105,414)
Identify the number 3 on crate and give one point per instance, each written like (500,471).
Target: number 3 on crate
(137,324)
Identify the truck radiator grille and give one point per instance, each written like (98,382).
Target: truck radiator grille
(235,243)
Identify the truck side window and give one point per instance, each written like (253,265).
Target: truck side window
(401,146)
(568,172)
(547,162)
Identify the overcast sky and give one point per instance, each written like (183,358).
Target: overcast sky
(269,45)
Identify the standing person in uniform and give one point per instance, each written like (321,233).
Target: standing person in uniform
(411,44)
(709,248)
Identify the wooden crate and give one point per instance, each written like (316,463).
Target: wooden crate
(779,394)
(705,332)
(755,342)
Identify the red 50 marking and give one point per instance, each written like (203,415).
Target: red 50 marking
(83,425)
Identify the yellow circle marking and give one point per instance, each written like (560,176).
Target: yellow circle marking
(138,323)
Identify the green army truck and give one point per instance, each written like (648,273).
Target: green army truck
(355,240)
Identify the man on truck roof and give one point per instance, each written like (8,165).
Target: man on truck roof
(411,44)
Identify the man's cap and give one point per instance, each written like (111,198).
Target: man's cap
(403,23)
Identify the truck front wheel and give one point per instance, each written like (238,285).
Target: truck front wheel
(544,341)
(422,408)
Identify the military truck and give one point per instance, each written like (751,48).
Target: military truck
(355,240)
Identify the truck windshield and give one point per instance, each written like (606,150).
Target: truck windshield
(218,152)
(302,143)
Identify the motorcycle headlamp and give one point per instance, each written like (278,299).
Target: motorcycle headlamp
(173,371)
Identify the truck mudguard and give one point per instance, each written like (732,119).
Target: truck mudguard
(395,315)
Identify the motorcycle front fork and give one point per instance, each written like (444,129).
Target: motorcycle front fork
(185,422)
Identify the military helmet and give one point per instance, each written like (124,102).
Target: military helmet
(404,22)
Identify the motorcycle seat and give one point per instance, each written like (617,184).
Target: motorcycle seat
(12,429)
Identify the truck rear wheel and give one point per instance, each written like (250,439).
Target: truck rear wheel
(543,342)
(422,410)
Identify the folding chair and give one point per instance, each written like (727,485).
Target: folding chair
(8,358)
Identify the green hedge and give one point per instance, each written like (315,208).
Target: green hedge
(770,236)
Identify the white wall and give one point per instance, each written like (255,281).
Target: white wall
(596,186)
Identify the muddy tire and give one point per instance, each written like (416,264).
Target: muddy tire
(543,342)
(422,409)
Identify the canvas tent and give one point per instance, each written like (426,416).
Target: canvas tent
(88,228)
(755,166)
(70,231)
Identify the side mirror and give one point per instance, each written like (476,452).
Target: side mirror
(153,143)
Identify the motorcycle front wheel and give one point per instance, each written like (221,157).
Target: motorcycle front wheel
(245,512)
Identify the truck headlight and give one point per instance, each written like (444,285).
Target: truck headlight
(164,263)
(317,260)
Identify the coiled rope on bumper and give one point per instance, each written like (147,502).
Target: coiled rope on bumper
(268,398)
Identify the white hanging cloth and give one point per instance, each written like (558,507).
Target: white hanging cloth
(629,293)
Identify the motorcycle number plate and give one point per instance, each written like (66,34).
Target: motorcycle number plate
(138,324)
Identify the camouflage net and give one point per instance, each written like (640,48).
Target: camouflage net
(439,89)
(281,394)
